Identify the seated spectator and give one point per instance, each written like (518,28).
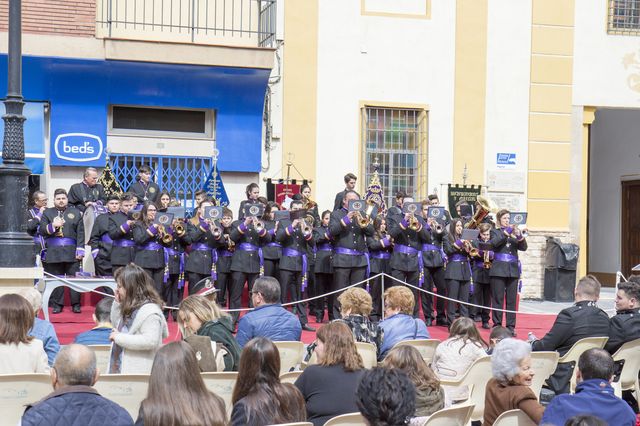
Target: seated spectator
(399,323)
(509,389)
(386,397)
(198,315)
(355,307)
(139,322)
(454,356)
(329,388)
(583,319)
(594,394)
(429,393)
(99,335)
(625,325)
(42,329)
(258,396)
(585,421)
(19,352)
(269,319)
(177,394)
(498,334)
(74,401)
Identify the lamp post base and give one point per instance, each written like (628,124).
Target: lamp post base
(16,246)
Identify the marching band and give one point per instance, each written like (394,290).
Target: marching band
(468,258)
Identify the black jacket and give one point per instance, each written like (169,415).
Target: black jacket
(504,244)
(456,270)
(199,261)
(247,261)
(433,258)
(323,240)
(271,251)
(144,234)
(583,319)
(376,247)
(80,193)
(350,235)
(120,230)
(73,228)
(402,234)
(623,327)
(293,239)
(145,193)
(100,228)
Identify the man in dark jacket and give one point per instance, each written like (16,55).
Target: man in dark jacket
(87,192)
(349,185)
(625,325)
(74,401)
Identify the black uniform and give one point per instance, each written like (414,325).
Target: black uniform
(145,192)
(246,264)
(174,274)
(379,255)
(33,229)
(349,259)
(457,276)
(101,245)
(294,264)
(150,252)
(223,266)
(481,282)
(337,204)
(123,248)
(406,260)
(80,193)
(505,273)
(271,252)
(63,245)
(434,259)
(200,262)
(624,327)
(323,271)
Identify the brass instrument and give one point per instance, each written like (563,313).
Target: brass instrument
(136,215)
(414,223)
(165,236)
(365,219)
(59,232)
(486,206)
(309,204)
(216,231)
(259,226)
(231,245)
(305,228)
(180,228)
(486,261)
(439,228)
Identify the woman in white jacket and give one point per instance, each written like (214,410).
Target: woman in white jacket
(139,323)
(454,356)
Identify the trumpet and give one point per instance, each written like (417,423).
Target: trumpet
(216,231)
(486,263)
(258,225)
(231,245)
(165,236)
(179,228)
(517,232)
(365,219)
(59,232)
(414,223)
(305,228)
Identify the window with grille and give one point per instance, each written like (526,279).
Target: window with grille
(624,17)
(397,139)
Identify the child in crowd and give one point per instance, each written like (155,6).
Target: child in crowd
(99,335)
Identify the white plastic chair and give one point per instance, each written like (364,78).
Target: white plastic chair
(290,376)
(103,353)
(577,349)
(514,418)
(351,419)
(368,353)
(222,384)
(426,347)
(18,390)
(630,353)
(544,363)
(476,377)
(457,415)
(291,354)
(127,390)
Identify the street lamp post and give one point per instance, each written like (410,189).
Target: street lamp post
(16,246)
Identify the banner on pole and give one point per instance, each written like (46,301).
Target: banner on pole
(215,188)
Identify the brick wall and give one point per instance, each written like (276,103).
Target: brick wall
(533,261)
(59,17)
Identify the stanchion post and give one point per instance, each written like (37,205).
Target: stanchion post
(382,290)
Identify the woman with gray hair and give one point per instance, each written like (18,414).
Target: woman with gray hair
(509,388)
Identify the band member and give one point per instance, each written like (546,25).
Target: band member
(323,269)
(87,192)
(350,261)
(225,256)
(150,239)
(203,255)
(252,192)
(506,240)
(458,271)
(434,260)
(409,233)
(380,255)
(39,202)
(435,201)
(63,230)
(144,189)
(295,237)
(481,278)
(309,205)
(273,250)
(396,210)
(164,200)
(200,196)
(174,256)
(100,241)
(248,235)
(123,248)
(350,185)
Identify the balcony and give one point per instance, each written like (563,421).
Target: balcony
(233,23)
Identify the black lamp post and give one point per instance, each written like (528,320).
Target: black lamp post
(16,246)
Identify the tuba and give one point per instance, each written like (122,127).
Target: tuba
(486,206)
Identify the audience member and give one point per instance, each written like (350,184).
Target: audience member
(583,319)
(386,397)
(429,393)
(42,329)
(74,401)
(594,394)
(498,334)
(258,396)
(139,322)
(200,316)
(177,394)
(509,389)
(454,356)
(269,319)
(99,335)
(625,325)
(399,323)
(329,388)
(19,352)
(355,307)
(584,420)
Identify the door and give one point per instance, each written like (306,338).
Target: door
(630,237)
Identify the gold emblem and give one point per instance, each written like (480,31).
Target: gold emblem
(70,215)
(152,190)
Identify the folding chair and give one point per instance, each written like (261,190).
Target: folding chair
(290,376)
(426,347)
(576,350)
(222,384)
(514,418)
(351,419)
(103,353)
(544,363)
(476,377)
(629,352)
(18,390)
(291,354)
(458,415)
(127,390)
(368,353)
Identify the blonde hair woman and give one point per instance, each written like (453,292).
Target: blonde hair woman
(355,306)
(203,317)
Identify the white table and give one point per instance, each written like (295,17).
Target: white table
(81,285)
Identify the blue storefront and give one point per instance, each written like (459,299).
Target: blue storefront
(73,97)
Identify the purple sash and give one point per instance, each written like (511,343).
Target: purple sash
(152,245)
(462,258)
(123,243)
(251,247)
(401,248)
(289,252)
(60,242)
(324,247)
(214,257)
(506,257)
(381,255)
(352,252)
(274,245)
(106,239)
(168,251)
(433,247)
